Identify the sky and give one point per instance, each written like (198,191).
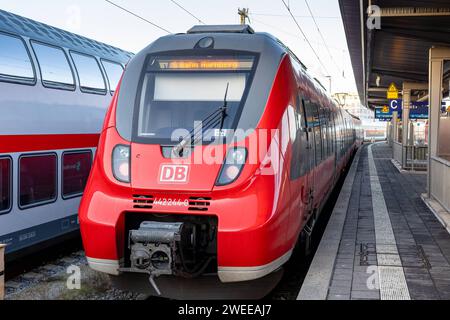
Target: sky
(99,20)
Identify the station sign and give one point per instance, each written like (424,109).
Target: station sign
(386,112)
(383,113)
(419,110)
(392,93)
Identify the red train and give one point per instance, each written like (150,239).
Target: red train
(217,154)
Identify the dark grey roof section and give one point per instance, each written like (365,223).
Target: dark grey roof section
(398,51)
(232,28)
(18,25)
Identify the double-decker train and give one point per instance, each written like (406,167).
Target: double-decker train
(55,88)
(217,155)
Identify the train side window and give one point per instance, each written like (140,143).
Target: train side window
(313,122)
(55,68)
(15,61)
(333,131)
(76,167)
(37,180)
(299,161)
(324,126)
(5,185)
(114,72)
(89,73)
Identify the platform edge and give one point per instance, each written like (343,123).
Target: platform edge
(318,278)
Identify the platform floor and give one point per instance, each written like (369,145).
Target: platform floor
(382,241)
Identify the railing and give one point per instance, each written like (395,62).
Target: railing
(415,157)
(411,157)
(440,181)
(397,152)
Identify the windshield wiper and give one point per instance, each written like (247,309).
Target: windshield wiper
(204,124)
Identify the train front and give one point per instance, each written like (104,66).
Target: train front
(189,182)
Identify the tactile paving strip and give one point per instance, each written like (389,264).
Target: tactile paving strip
(393,284)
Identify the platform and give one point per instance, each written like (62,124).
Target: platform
(382,241)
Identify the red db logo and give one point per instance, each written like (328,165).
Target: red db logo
(174,174)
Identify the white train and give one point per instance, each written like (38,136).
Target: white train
(55,88)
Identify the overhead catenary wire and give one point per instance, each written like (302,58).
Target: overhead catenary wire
(321,34)
(187,11)
(340,49)
(138,16)
(304,36)
(297,16)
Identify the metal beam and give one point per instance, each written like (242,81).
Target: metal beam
(414,12)
(402,74)
(378,89)
(377,100)
(433,36)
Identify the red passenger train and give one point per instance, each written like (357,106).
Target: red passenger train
(217,155)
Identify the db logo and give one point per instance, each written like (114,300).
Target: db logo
(174,174)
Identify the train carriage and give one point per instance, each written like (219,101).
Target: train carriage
(55,88)
(158,207)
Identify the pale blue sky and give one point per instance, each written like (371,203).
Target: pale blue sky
(101,21)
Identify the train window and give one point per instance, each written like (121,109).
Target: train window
(37,179)
(89,73)
(313,121)
(332,131)
(171,101)
(5,184)
(113,73)
(325,134)
(55,69)
(75,172)
(15,61)
(300,153)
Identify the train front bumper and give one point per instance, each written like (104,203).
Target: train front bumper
(251,233)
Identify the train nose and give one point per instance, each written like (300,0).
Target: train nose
(151,169)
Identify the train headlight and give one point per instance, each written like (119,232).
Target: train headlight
(121,163)
(232,167)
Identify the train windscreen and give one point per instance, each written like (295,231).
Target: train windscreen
(181,92)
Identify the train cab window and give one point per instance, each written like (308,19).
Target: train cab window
(89,73)
(15,62)
(113,73)
(37,179)
(75,172)
(5,184)
(179,93)
(55,68)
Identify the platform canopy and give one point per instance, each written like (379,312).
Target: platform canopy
(399,50)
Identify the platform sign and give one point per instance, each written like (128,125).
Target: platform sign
(396,105)
(385,113)
(419,110)
(392,93)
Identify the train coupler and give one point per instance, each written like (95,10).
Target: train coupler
(169,249)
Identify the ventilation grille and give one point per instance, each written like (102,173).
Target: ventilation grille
(199,204)
(143,202)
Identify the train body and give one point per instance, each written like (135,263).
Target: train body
(55,88)
(218,153)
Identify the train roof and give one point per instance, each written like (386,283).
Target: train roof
(16,24)
(258,38)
